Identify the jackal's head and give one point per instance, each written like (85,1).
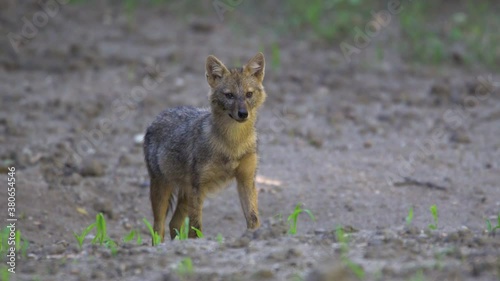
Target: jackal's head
(236,92)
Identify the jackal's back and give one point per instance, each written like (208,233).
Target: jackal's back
(174,139)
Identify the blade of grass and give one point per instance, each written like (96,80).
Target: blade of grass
(155,237)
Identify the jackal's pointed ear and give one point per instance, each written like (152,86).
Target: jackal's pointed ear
(215,69)
(256,66)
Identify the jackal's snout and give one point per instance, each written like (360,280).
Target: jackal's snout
(241,111)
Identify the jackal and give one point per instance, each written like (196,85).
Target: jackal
(190,152)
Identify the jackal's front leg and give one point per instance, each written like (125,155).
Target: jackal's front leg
(194,210)
(245,177)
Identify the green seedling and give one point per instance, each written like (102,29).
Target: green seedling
(183,233)
(434,212)
(341,238)
(133,234)
(489,226)
(110,244)
(101,236)
(419,276)
(130,6)
(297,277)
(4,273)
(4,239)
(355,268)
(344,250)
(185,267)
(101,230)
(155,237)
(278,216)
(275,56)
(220,239)
(199,234)
(81,237)
(21,244)
(409,217)
(292,218)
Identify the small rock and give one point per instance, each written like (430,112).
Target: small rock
(460,136)
(314,139)
(91,168)
(278,256)
(337,273)
(73,179)
(201,26)
(57,249)
(240,242)
(263,274)
(98,275)
(441,92)
(169,277)
(126,225)
(319,231)
(139,138)
(293,253)
(124,160)
(105,207)
(458,53)
(411,230)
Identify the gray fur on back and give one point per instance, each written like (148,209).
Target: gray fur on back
(176,143)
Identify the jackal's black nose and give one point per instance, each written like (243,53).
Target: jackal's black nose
(242,114)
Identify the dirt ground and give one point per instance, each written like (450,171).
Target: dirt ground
(358,144)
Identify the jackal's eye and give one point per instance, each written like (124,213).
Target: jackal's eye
(229,96)
(249,94)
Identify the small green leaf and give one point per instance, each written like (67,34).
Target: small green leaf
(130,236)
(409,217)
(488,226)
(310,214)
(220,239)
(434,212)
(355,268)
(139,238)
(199,234)
(155,237)
(185,267)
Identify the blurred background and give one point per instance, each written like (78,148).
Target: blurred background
(460,33)
(374,107)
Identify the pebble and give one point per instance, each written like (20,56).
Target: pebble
(278,256)
(441,92)
(91,168)
(105,207)
(139,138)
(125,160)
(337,273)
(73,179)
(460,136)
(263,274)
(241,242)
(319,231)
(57,249)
